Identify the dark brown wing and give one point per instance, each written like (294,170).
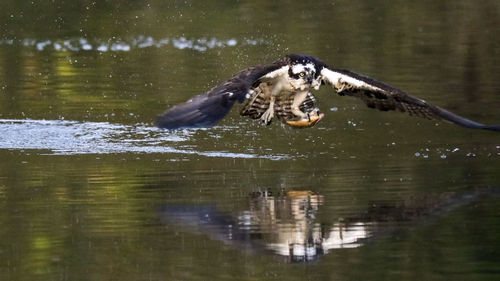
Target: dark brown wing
(207,109)
(384,97)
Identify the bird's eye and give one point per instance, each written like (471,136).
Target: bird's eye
(302,74)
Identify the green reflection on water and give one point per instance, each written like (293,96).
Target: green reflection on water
(95,216)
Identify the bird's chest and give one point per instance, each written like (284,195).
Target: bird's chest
(279,88)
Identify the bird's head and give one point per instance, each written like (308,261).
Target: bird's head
(303,75)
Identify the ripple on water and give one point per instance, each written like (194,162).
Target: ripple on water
(63,137)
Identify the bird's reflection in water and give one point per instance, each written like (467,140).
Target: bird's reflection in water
(289,222)
(286,224)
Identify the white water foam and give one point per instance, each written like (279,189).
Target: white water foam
(124,45)
(62,137)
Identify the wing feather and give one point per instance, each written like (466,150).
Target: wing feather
(207,109)
(381,96)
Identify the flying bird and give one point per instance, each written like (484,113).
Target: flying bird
(282,90)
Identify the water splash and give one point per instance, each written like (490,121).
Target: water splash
(61,137)
(124,45)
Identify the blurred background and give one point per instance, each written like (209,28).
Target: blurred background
(90,189)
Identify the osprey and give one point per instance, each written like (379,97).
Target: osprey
(282,90)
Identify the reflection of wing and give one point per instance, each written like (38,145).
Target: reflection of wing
(384,97)
(207,109)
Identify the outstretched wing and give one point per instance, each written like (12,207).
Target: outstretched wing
(384,97)
(207,109)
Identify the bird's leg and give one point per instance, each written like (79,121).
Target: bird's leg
(271,91)
(268,115)
(298,99)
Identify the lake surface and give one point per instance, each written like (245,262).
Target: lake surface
(91,190)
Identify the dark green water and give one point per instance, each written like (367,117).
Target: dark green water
(91,190)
